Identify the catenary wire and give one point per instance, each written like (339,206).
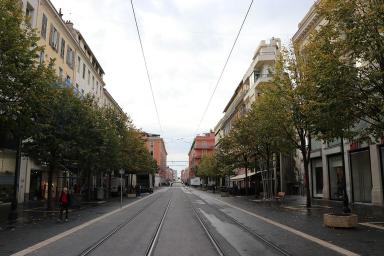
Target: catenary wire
(146,66)
(224,67)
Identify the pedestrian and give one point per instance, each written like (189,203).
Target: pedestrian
(64,203)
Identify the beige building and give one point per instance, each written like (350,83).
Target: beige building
(77,67)
(363,162)
(260,70)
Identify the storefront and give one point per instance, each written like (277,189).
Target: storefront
(336,176)
(382,166)
(317,177)
(7,174)
(360,163)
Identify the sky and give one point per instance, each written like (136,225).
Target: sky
(186,43)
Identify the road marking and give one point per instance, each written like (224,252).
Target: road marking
(373,225)
(75,229)
(294,231)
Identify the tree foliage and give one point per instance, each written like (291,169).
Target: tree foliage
(347,57)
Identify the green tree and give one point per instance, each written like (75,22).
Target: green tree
(57,133)
(207,167)
(351,50)
(292,94)
(22,79)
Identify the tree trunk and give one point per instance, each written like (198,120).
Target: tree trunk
(50,181)
(306,181)
(346,208)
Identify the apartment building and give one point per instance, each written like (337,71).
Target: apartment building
(202,145)
(259,71)
(77,67)
(247,91)
(364,163)
(156,147)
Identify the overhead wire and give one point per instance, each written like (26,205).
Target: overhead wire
(224,67)
(146,67)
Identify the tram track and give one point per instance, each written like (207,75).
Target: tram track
(210,236)
(152,246)
(116,229)
(251,232)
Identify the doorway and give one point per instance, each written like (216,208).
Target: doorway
(317,177)
(361,176)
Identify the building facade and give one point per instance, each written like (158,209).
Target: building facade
(77,68)
(202,145)
(259,71)
(246,93)
(363,162)
(156,147)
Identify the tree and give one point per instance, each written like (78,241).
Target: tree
(57,133)
(292,94)
(22,79)
(207,167)
(267,138)
(351,46)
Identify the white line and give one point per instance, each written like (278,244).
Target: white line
(295,231)
(372,225)
(75,229)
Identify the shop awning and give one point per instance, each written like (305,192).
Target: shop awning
(241,176)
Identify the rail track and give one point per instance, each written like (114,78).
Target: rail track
(254,234)
(116,229)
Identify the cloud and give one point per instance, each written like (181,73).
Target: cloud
(186,43)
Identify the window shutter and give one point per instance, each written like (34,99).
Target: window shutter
(51,36)
(57,42)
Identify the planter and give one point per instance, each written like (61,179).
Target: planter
(335,220)
(133,195)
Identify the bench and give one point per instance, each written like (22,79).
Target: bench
(280,196)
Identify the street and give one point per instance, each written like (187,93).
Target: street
(183,221)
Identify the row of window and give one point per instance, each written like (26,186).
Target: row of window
(54,39)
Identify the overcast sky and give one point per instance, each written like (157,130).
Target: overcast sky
(186,44)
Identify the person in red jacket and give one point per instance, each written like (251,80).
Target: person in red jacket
(64,203)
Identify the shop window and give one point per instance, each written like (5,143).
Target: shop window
(7,171)
(317,177)
(361,176)
(336,176)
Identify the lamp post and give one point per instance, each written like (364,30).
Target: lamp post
(121,171)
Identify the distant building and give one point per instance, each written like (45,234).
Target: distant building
(202,145)
(156,147)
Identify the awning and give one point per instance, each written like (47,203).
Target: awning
(242,176)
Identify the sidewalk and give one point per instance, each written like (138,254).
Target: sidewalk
(35,211)
(37,225)
(364,240)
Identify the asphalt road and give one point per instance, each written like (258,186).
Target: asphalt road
(179,221)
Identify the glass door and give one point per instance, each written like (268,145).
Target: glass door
(361,176)
(317,177)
